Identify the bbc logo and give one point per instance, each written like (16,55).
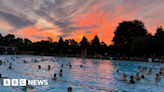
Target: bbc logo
(14,82)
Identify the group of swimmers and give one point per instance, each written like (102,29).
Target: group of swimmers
(137,77)
(39,67)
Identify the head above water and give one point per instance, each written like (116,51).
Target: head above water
(55,75)
(69,89)
(142,76)
(132,77)
(124,75)
(61,70)
(0,75)
(117,70)
(157,74)
(137,74)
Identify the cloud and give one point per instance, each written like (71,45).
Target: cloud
(65,35)
(15,21)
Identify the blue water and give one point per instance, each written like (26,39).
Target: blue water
(96,75)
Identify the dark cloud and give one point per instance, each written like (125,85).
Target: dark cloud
(65,35)
(39,37)
(88,32)
(43,29)
(15,21)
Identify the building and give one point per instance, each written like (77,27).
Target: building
(9,49)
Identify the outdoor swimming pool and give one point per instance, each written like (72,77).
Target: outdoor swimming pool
(96,75)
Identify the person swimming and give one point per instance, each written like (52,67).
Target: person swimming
(49,67)
(132,80)
(10,67)
(143,77)
(142,70)
(137,76)
(124,77)
(24,61)
(139,68)
(118,71)
(60,72)
(10,63)
(54,77)
(81,66)
(149,72)
(69,89)
(145,69)
(157,78)
(70,66)
(39,67)
(27,86)
(2,77)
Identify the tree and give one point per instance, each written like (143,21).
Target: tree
(144,45)
(159,31)
(126,31)
(84,43)
(96,44)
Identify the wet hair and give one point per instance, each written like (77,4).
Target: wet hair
(61,70)
(70,66)
(81,66)
(117,70)
(55,75)
(131,77)
(0,75)
(142,76)
(157,74)
(39,66)
(9,67)
(70,88)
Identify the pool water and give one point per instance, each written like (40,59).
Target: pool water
(96,75)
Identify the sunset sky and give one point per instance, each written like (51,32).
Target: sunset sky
(39,19)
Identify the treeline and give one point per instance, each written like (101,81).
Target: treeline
(131,38)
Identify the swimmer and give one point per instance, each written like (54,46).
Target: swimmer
(27,86)
(160,72)
(157,78)
(143,77)
(2,77)
(142,70)
(10,63)
(132,80)
(149,72)
(60,72)
(24,61)
(124,77)
(54,77)
(69,89)
(70,66)
(49,67)
(139,68)
(118,71)
(39,66)
(137,76)
(145,69)
(81,66)
(10,67)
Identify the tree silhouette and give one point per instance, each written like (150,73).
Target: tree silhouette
(96,44)
(159,31)
(84,43)
(127,31)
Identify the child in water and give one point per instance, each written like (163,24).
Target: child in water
(124,77)
(132,80)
